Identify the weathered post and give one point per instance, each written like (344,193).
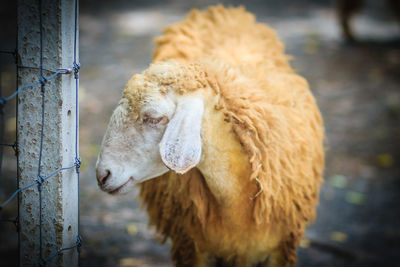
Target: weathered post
(57,227)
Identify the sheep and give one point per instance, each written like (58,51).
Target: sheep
(224,140)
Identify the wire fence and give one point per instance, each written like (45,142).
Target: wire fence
(39,180)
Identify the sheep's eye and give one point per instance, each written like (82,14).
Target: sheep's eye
(150,120)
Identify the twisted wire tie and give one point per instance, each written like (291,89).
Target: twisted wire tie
(15,147)
(76,68)
(42,80)
(39,181)
(78,243)
(78,163)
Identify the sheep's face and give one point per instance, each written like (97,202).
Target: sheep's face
(145,135)
(129,152)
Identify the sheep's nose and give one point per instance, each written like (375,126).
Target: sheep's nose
(102,178)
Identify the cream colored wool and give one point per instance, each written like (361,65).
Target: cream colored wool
(270,112)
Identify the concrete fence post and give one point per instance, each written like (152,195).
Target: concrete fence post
(60,193)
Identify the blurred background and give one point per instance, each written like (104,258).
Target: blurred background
(356,80)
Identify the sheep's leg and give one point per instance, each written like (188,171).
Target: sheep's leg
(345,10)
(284,255)
(234,262)
(275,259)
(202,260)
(184,253)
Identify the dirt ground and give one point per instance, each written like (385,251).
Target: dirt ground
(357,89)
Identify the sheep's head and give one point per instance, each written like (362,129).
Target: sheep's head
(153,129)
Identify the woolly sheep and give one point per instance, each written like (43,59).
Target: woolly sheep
(224,140)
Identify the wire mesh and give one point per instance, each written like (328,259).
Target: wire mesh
(40,179)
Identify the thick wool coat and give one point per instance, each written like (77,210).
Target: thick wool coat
(261,121)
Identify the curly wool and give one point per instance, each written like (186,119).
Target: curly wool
(272,113)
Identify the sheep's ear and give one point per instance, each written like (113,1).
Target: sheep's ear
(180,147)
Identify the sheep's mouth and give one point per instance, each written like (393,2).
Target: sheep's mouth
(121,188)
